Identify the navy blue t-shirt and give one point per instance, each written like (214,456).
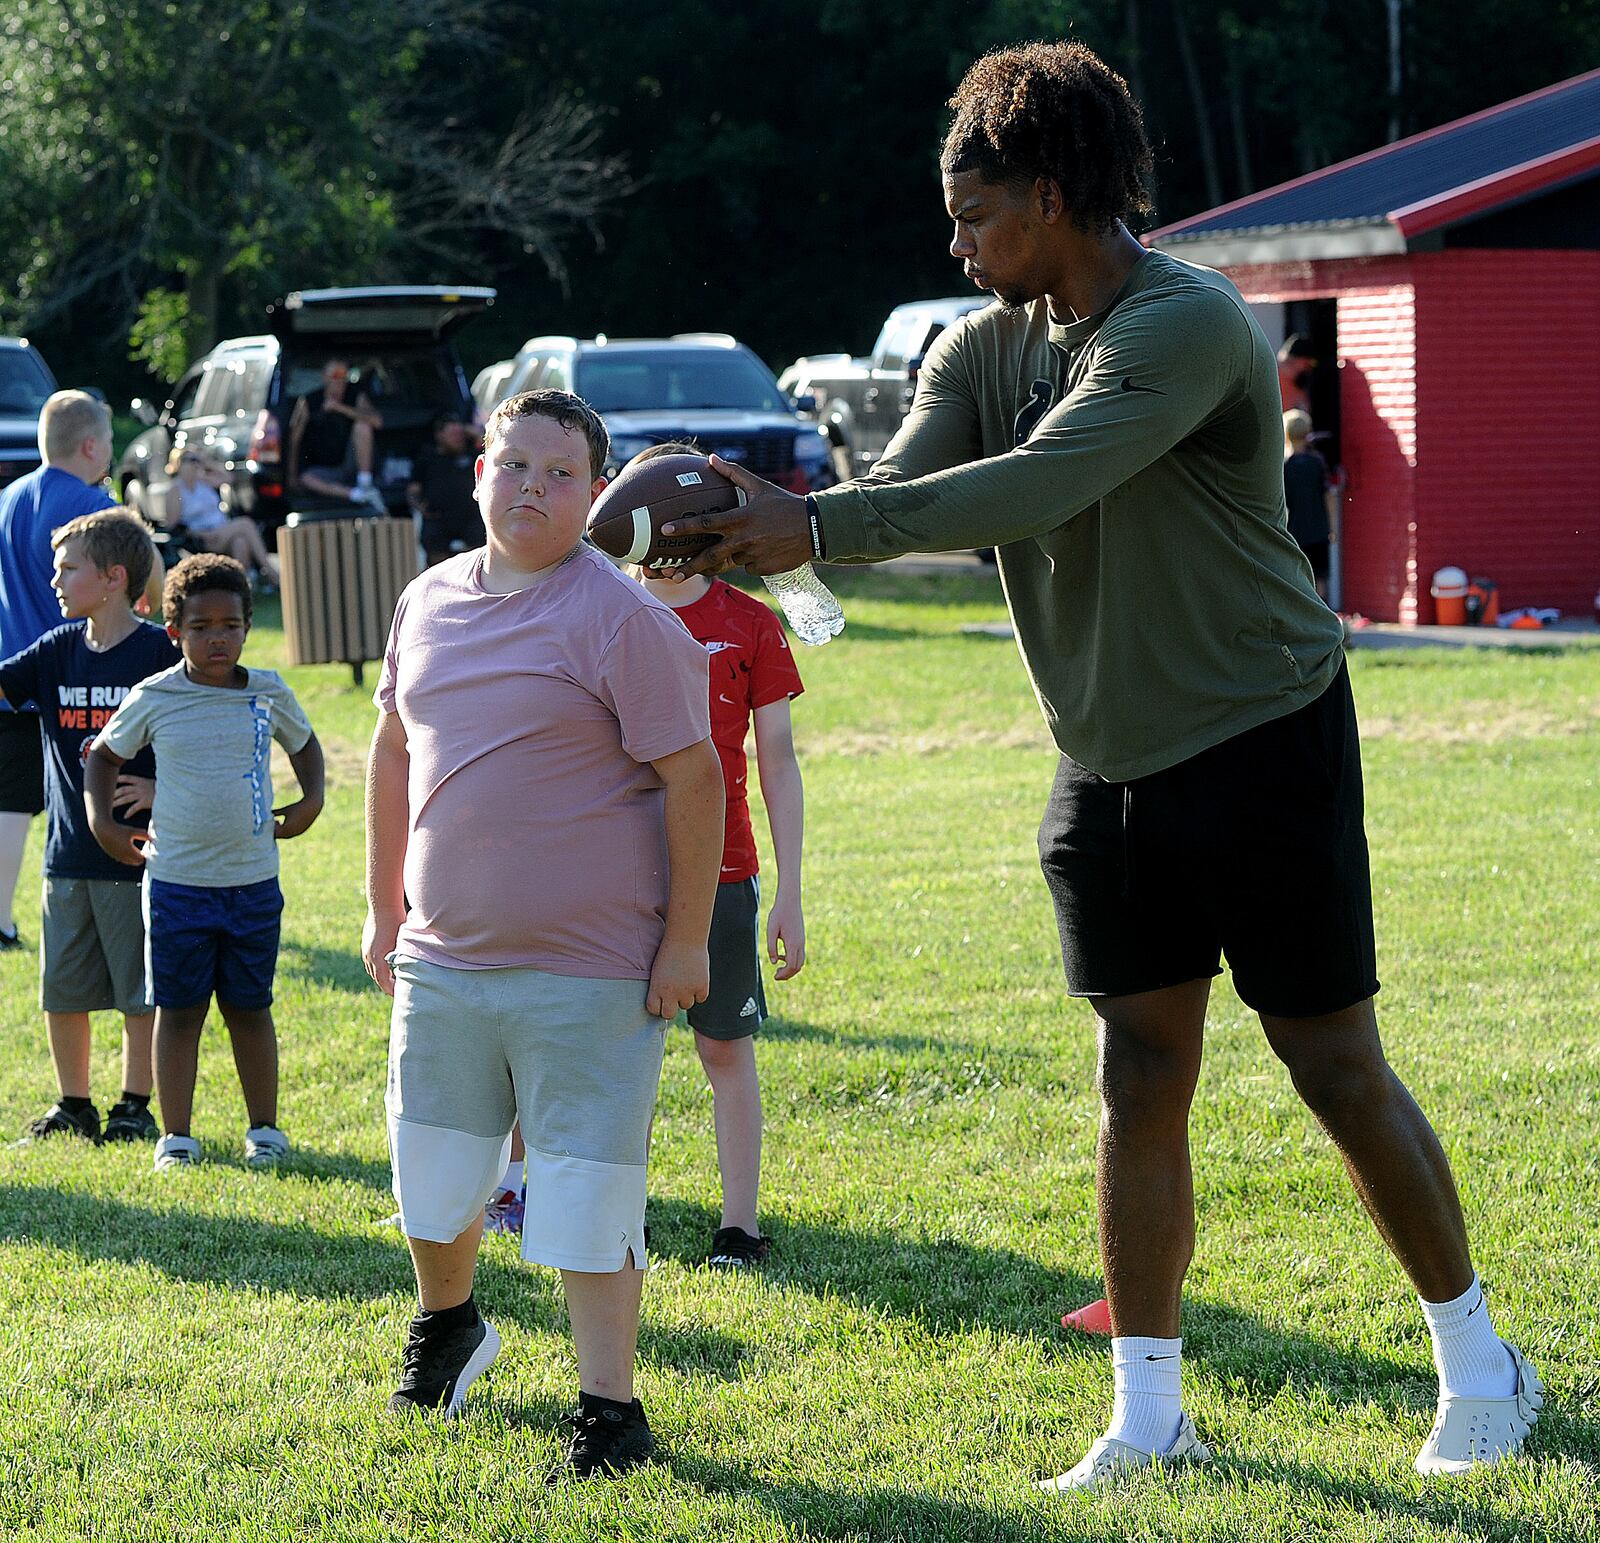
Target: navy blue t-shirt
(76,691)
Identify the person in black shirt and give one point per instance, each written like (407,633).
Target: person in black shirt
(331,440)
(1313,505)
(442,490)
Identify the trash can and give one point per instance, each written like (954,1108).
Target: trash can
(1449,593)
(341,578)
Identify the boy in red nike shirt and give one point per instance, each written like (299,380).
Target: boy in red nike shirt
(753,676)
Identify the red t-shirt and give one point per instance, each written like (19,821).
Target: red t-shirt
(750,666)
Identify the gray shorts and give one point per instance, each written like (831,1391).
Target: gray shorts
(91,947)
(576,1061)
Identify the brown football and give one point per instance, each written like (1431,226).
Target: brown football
(627,517)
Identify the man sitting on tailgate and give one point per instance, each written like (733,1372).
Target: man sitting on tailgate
(331,439)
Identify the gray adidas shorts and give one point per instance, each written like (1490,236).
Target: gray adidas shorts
(91,947)
(577,1061)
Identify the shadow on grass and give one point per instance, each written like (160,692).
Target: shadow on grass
(339,968)
(952,1287)
(780,1028)
(1437,1503)
(303,1261)
(906,1516)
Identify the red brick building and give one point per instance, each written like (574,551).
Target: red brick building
(1450,287)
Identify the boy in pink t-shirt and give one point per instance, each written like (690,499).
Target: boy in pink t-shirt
(544,831)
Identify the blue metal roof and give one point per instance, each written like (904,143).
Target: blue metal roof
(1429,165)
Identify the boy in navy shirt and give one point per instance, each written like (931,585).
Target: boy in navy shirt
(92,937)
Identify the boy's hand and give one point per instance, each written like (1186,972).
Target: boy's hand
(786,937)
(133,795)
(295,819)
(679,978)
(378,937)
(122,843)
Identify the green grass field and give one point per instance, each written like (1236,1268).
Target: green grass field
(208,1355)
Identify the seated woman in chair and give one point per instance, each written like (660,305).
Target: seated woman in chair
(194,501)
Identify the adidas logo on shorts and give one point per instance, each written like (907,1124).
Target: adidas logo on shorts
(749,1010)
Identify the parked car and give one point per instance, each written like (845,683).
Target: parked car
(236,401)
(701,386)
(25,383)
(489,385)
(861,402)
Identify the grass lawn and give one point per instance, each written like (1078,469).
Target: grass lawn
(208,1355)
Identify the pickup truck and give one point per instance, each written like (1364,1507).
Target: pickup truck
(861,402)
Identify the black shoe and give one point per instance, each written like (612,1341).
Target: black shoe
(10,940)
(732,1248)
(605,1441)
(130,1122)
(56,1121)
(439,1368)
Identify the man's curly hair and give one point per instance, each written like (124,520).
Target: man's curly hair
(196,575)
(1054,110)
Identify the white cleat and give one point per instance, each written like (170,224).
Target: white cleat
(1108,1459)
(1468,1432)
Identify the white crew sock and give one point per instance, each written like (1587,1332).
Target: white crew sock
(1148,1407)
(511,1180)
(363,479)
(1471,1360)
(13,838)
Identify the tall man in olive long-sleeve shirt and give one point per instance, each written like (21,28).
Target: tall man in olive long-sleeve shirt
(1113,428)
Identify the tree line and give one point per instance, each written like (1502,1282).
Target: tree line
(630,166)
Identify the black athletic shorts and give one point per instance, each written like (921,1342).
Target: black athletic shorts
(21,764)
(1253,850)
(737,1002)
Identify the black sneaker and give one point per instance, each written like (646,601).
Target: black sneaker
(439,1368)
(732,1248)
(605,1441)
(130,1122)
(10,940)
(56,1121)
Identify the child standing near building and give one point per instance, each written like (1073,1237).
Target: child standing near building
(544,821)
(212,903)
(753,676)
(92,937)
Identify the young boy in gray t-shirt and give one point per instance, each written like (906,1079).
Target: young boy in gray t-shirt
(212,902)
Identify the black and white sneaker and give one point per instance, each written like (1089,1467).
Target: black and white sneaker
(130,1122)
(10,940)
(607,1439)
(56,1121)
(440,1367)
(732,1248)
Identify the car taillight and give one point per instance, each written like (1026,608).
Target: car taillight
(265,443)
(796,480)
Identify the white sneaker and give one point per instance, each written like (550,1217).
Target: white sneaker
(1468,1432)
(265,1146)
(371,496)
(1108,1458)
(176,1152)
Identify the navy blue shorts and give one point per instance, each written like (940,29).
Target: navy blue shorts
(201,941)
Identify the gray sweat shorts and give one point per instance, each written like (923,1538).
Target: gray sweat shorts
(91,947)
(578,1061)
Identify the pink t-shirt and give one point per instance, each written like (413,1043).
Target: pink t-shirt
(536,832)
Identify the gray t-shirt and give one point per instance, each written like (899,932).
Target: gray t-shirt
(212,821)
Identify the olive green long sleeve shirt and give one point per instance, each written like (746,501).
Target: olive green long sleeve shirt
(1128,468)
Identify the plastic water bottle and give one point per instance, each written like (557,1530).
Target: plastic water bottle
(812,608)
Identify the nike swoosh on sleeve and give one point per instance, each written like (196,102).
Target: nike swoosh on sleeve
(1128,385)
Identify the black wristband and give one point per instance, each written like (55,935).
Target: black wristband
(816,528)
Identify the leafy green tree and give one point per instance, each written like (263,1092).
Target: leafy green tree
(178,161)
